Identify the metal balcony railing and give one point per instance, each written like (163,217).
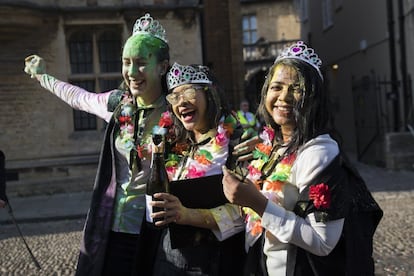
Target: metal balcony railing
(264,50)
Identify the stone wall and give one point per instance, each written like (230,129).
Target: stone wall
(36,128)
(276,20)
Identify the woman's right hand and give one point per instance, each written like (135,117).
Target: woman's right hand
(243,193)
(34,66)
(174,211)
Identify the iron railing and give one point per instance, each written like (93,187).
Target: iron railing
(264,50)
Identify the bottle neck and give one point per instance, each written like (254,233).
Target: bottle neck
(158,149)
(157,159)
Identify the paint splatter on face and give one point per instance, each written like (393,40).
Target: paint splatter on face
(283,93)
(140,68)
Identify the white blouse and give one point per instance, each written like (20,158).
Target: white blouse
(284,226)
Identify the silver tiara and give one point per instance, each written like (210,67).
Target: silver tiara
(299,50)
(147,25)
(180,74)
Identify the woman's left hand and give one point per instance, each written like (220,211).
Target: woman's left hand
(244,150)
(174,211)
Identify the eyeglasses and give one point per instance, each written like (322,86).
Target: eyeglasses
(187,95)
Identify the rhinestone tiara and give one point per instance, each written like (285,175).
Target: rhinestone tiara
(147,25)
(299,50)
(180,74)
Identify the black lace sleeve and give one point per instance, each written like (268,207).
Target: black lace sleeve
(349,199)
(347,191)
(336,198)
(114,99)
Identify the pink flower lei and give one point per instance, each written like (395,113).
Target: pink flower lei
(177,151)
(202,159)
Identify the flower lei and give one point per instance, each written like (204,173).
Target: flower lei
(126,125)
(273,184)
(202,159)
(199,165)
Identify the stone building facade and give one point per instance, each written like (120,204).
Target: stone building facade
(44,140)
(267,27)
(368,68)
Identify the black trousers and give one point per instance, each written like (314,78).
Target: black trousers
(120,254)
(132,254)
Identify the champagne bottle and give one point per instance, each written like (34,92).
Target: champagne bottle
(158,179)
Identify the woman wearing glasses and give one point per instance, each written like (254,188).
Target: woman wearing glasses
(195,208)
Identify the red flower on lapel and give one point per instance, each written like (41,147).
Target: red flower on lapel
(320,195)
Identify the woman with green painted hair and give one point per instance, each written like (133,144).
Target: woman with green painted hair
(114,229)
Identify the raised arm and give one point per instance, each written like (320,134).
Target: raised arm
(75,96)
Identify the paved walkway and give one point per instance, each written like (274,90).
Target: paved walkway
(55,223)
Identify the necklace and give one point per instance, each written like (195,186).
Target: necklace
(126,124)
(269,176)
(132,122)
(186,160)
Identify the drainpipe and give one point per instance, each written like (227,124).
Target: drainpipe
(404,76)
(201,15)
(394,81)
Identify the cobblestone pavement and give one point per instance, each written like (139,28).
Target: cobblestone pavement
(56,243)
(393,240)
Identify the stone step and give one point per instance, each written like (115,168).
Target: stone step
(50,186)
(401,161)
(51,175)
(399,150)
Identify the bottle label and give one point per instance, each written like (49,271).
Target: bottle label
(148,208)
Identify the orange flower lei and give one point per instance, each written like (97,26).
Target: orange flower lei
(273,184)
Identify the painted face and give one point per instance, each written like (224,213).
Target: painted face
(282,94)
(189,104)
(141,70)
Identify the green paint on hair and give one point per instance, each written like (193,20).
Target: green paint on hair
(143,46)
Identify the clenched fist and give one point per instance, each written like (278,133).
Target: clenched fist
(34,65)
